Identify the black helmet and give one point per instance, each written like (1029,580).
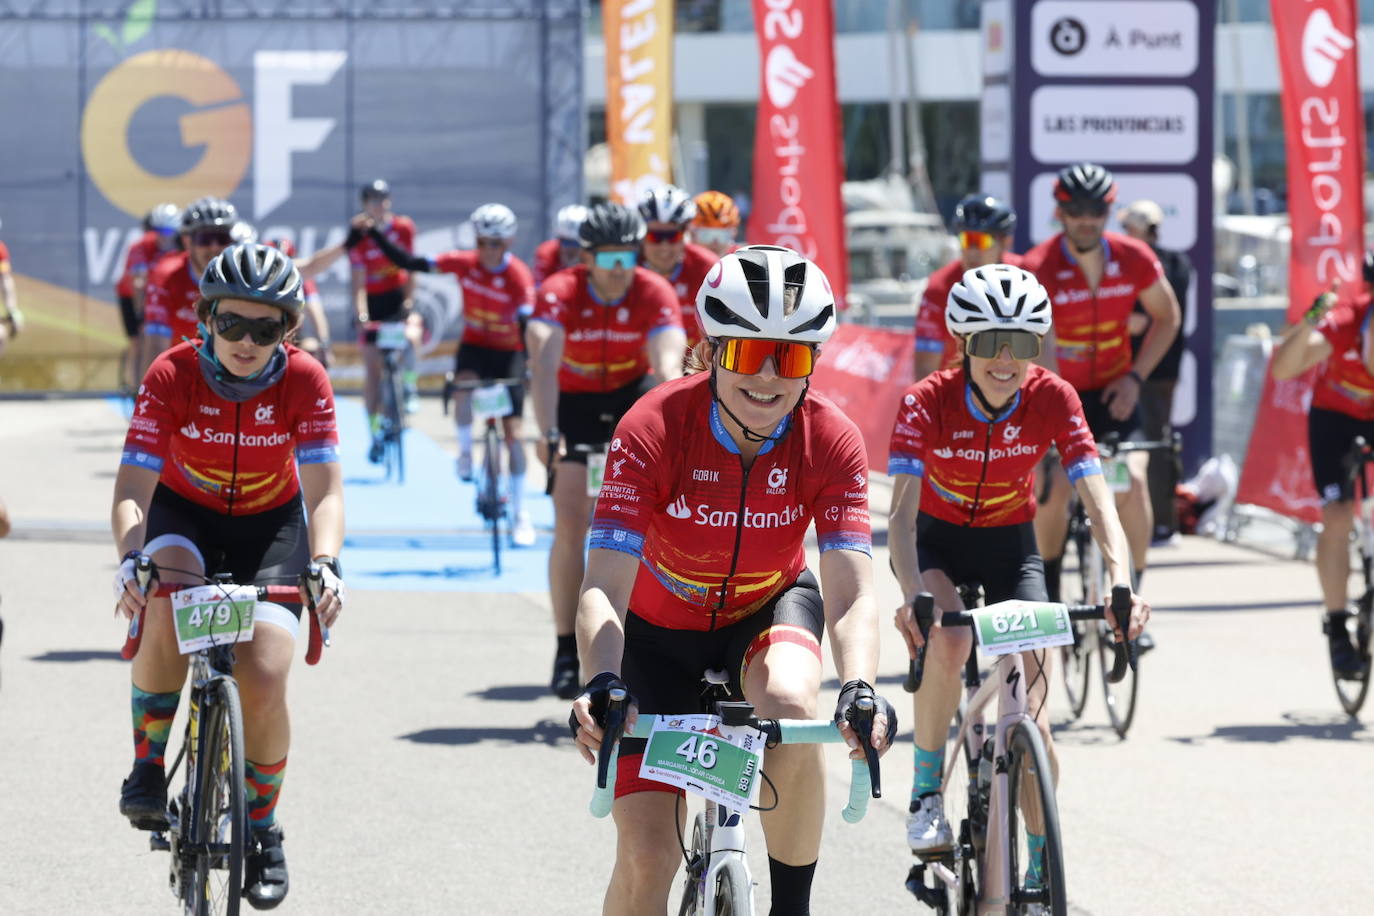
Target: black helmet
(378,188)
(258,273)
(1086,182)
(983,213)
(1369,267)
(208,213)
(611,224)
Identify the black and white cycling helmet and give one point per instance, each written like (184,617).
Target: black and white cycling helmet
(209,213)
(767,292)
(163,218)
(568,223)
(997,297)
(1086,182)
(375,189)
(610,224)
(984,213)
(667,204)
(257,273)
(493,221)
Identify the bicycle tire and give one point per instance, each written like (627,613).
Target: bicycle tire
(219,809)
(696,853)
(734,895)
(396,417)
(1025,744)
(1076,660)
(1121,696)
(960,803)
(1352,691)
(491,458)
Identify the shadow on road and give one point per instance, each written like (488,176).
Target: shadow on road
(78,655)
(1296,725)
(1080,735)
(546,732)
(520,693)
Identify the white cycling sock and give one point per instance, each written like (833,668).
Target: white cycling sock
(517,494)
(465,440)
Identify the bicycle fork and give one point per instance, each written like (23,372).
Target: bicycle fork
(723,844)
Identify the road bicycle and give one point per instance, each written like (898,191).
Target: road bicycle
(491,402)
(1358,624)
(207,819)
(716,753)
(1089,586)
(390,340)
(1001,771)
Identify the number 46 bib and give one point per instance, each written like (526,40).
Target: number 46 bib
(701,756)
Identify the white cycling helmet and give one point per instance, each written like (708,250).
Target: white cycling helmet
(746,294)
(997,297)
(667,204)
(493,221)
(569,222)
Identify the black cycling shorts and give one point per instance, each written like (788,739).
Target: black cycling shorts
(1101,422)
(1003,559)
(663,667)
(487,363)
(1330,434)
(580,412)
(387,306)
(266,548)
(133,321)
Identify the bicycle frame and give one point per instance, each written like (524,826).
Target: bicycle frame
(724,843)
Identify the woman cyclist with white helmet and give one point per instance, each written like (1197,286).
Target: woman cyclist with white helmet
(964,449)
(697,561)
(565,248)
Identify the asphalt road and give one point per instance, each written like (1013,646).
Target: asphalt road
(430,772)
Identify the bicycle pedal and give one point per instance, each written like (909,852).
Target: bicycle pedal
(158,842)
(943,856)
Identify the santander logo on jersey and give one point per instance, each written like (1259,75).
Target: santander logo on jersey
(729,518)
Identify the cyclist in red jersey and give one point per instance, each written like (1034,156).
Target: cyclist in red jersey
(1094,279)
(11,319)
(667,211)
(697,561)
(381,291)
(173,289)
(498,295)
(564,249)
(597,332)
(984,227)
(716,223)
(967,440)
(231,448)
(1341,342)
(160,237)
(316,338)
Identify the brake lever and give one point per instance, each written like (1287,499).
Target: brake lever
(861,720)
(924,609)
(1125,652)
(615,727)
(145,574)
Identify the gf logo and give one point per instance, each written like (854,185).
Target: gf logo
(1009,433)
(230,135)
(777,477)
(264,413)
(1323,47)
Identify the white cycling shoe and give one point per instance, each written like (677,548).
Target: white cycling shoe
(927,829)
(522,534)
(465,467)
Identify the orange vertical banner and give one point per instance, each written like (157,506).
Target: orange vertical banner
(639,94)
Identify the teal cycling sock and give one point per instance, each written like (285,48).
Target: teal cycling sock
(153,714)
(1035,849)
(930,766)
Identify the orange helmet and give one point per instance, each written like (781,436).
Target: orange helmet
(715,210)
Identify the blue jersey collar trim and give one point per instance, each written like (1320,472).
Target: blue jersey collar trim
(1068,254)
(977,412)
(723,435)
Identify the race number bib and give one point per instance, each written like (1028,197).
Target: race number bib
(699,755)
(1118,475)
(391,335)
(492,401)
(210,615)
(1018,626)
(596,473)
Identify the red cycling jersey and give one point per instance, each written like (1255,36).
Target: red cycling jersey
(978,472)
(1092,342)
(382,276)
(716,542)
(548,260)
(237,458)
(144,255)
(932,336)
(169,308)
(1343,384)
(492,300)
(4,259)
(686,279)
(605,344)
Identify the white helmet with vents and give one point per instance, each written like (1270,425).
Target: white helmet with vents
(493,221)
(569,222)
(667,204)
(767,292)
(998,297)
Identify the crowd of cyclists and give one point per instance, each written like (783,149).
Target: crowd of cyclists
(650,331)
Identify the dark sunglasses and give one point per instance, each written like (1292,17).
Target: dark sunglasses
(207,237)
(491,243)
(1089,208)
(989,344)
(747,356)
(664,235)
(264,331)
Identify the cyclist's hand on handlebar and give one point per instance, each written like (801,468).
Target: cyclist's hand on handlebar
(1140,615)
(904,620)
(884,718)
(332,597)
(129,598)
(587,721)
(549,451)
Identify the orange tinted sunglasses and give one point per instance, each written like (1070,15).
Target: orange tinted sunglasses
(979,240)
(747,356)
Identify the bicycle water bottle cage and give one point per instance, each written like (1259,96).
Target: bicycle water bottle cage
(735,712)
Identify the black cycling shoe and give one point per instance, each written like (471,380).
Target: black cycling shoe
(376,451)
(1345,658)
(143,797)
(565,684)
(265,881)
(1144,642)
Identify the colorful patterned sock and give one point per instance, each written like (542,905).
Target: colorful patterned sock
(930,767)
(1035,848)
(153,714)
(374,423)
(263,783)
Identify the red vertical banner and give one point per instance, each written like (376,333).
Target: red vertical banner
(1323,117)
(798,164)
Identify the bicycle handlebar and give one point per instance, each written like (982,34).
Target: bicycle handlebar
(145,573)
(1109,446)
(924,608)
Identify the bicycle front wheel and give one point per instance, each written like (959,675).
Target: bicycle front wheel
(1121,695)
(492,487)
(219,818)
(1076,659)
(1030,790)
(734,895)
(697,855)
(1352,691)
